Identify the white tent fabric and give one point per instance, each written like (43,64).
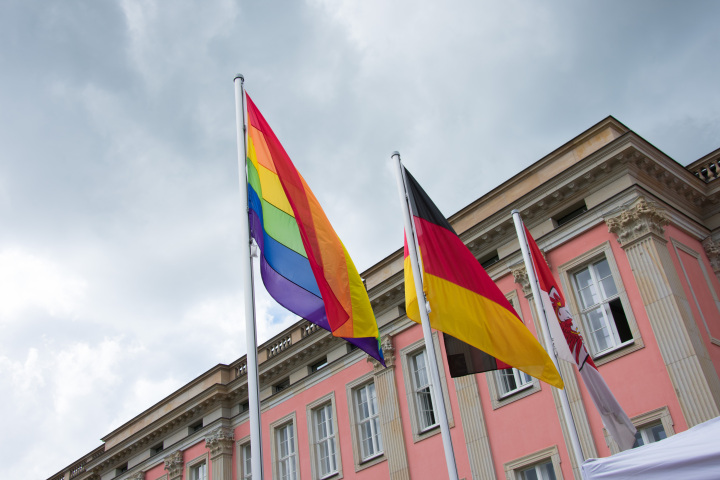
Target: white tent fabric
(693,454)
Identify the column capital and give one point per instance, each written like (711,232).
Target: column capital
(174,464)
(386,343)
(220,441)
(636,221)
(712,248)
(520,276)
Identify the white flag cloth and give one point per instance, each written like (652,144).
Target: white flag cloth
(570,347)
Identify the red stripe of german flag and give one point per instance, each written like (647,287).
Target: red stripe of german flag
(465,303)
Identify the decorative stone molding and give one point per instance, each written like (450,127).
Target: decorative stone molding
(137,476)
(520,275)
(712,248)
(636,221)
(220,441)
(388,349)
(174,464)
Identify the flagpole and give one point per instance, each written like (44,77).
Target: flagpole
(569,421)
(427,332)
(253,379)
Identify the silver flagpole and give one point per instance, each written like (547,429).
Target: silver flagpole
(247,268)
(569,421)
(427,332)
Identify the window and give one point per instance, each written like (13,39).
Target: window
(367,440)
(603,316)
(281,385)
(322,425)
(423,391)
(368,422)
(156,449)
(246,458)
(652,426)
(195,427)
(243,459)
(543,471)
(199,472)
(320,364)
(540,465)
(420,392)
(121,469)
(512,380)
(602,310)
(284,448)
(572,214)
(324,441)
(489,260)
(649,434)
(509,386)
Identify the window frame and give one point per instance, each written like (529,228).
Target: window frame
(514,468)
(567,271)
(240,448)
(312,409)
(497,398)
(406,353)
(288,420)
(351,388)
(195,462)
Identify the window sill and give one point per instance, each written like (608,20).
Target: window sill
(621,350)
(517,391)
(370,461)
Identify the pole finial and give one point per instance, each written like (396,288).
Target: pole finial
(515,211)
(395,153)
(240,76)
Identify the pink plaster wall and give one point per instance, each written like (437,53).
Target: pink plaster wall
(156,473)
(190,454)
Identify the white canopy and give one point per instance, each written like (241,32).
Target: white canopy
(693,454)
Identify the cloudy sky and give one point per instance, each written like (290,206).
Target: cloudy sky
(119,204)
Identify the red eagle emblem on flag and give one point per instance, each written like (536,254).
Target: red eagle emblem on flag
(570,331)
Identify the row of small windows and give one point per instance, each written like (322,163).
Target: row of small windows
(323,434)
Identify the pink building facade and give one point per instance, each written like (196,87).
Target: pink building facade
(634,239)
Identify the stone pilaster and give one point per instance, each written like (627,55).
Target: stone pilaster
(474,429)
(174,465)
(712,248)
(220,444)
(640,231)
(389,407)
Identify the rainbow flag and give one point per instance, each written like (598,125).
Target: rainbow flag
(304,265)
(464,301)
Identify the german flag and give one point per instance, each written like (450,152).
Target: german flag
(465,303)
